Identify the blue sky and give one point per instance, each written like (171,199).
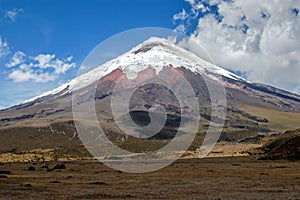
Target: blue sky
(67,29)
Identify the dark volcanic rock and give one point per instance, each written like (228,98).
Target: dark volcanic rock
(31,168)
(54,182)
(4,172)
(60,166)
(252,139)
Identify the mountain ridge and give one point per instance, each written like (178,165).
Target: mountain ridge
(154,54)
(47,120)
(131,58)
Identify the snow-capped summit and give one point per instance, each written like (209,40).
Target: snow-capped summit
(154,52)
(141,63)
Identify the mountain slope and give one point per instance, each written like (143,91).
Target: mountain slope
(141,63)
(158,53)
(155,52)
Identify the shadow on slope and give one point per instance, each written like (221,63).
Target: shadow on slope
(285,146)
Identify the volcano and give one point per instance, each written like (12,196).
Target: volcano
(46,121)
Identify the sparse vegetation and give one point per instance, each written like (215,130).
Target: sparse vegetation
(209,178)
(277,120)
(285,146)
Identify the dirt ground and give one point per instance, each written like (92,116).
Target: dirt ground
(209,178)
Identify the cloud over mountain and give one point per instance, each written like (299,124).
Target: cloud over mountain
(258,38)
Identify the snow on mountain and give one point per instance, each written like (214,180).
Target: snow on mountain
(154,52)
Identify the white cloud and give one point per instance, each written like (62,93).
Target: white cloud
(17,59)
(180,16)
(44,60)
(62,66)
(48,61)
(19,75)
(41,68)
(181,29)
(12,14)
(261,38)
(4,48)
